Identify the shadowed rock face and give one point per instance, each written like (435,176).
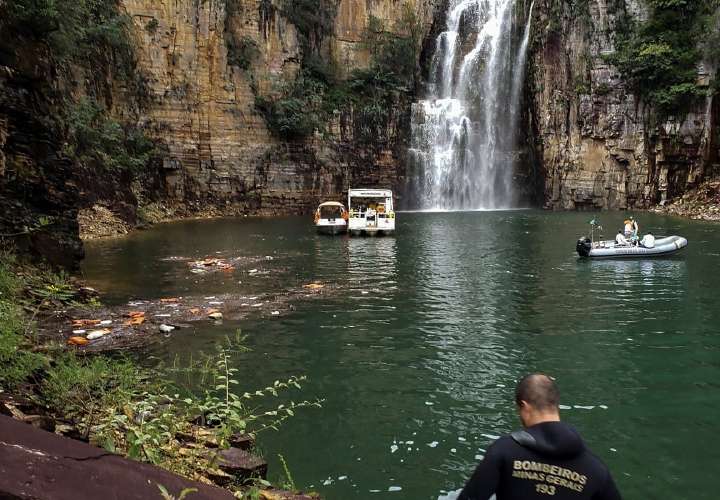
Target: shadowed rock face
(35,464)
(38,197)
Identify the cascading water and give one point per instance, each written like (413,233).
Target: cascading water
(464,133)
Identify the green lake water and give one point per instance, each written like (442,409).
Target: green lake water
(417,347)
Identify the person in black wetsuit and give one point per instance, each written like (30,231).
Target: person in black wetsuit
(547,459)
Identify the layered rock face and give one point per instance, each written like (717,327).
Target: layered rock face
(593,137)
(217,148)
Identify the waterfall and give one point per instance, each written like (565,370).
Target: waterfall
(464,133)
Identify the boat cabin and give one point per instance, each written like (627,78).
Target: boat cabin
(331,218)
(371,212)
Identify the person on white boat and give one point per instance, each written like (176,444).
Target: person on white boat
(620,239)
(648,241)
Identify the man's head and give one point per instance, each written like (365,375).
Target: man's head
(537,398)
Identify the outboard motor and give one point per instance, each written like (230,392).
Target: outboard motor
(583,247)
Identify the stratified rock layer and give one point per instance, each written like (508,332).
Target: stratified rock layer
(593,136)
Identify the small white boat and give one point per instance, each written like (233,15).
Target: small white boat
(331,218)
(371,212)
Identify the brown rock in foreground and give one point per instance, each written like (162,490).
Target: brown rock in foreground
(35,464)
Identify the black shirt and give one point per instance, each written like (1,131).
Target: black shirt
(545,461)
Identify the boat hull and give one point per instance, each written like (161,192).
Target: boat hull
(609,250)
(331,229)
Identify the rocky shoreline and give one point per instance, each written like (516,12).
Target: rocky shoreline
(701,203)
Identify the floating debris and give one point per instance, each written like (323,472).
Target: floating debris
(314,286)
(96,334)
(78,341)
(275,313)
(166,328)
(215,315)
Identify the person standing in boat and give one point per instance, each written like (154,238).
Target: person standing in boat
(631,228)
(548,459)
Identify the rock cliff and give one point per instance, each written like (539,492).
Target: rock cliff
(207,63)
(599,144)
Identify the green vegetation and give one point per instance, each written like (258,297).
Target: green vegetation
(659,58)
(152,26)
(312,18)
(17,363)
(95,139)
(241,53)
(370,95)
(172,416)
(94,36)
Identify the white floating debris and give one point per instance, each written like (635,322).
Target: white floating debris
(453,450)
(603,407)
(275,313)
(374,491)
(393,448)
(490,436)
(215,315)
(460,438)
(433,444)
(166,328)
(209,298)
(429,403)
(395,488)
(479,457)
(342,478)
(268,257)
(78,332)
(163,315)
(364,292)
(409,442)
(244,304)
(613,449)
(106,322)
(96,334)
(259,304)
(216,303)
(327,482)
(252,271)
(581,407)
(565,407)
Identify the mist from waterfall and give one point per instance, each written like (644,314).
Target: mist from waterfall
(464,134)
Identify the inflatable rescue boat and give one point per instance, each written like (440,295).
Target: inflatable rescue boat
(665,245)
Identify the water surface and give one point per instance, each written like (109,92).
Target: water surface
(417,349)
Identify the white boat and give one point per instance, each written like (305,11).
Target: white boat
(371,212)
(664,245)
(331,218)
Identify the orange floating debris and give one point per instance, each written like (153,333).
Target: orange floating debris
(135,320)
(194,310)
(314,286)
(85,322)
(169,300)
(136,314)
(212,311)
(78,341)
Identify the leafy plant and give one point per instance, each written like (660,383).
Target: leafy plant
(659,57)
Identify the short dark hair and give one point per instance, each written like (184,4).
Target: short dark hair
(538,390)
